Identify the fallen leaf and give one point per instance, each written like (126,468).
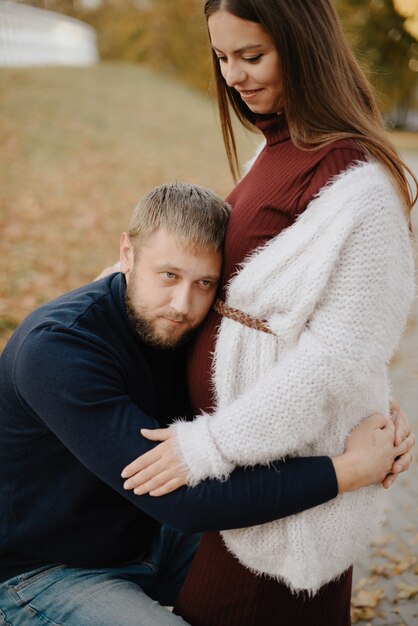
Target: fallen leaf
(404,564)
(406,592)
(383,569)
(368,597)
(360,614)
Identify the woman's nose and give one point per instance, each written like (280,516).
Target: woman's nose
(233,74)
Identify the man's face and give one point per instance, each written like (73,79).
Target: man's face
(170,287)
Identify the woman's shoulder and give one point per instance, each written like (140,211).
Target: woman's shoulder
(337,157)
(343,146)
(330,161)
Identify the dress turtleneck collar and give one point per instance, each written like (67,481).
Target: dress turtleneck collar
(274,128)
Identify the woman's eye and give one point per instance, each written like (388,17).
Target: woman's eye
(169,275)
(253,59)
(222,59)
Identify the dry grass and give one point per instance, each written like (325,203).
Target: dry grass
(79,147)
(405,140)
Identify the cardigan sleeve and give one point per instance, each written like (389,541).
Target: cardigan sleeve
(348,339)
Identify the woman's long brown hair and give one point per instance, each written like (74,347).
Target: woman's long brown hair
(327,95)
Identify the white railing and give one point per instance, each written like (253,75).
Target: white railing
(31,36)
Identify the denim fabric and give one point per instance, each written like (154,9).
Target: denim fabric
(127,595)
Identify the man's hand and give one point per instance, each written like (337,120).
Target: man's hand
(159,471)
(371,455)
(402,432)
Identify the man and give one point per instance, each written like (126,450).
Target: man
(78,380)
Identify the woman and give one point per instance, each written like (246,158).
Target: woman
(311,318)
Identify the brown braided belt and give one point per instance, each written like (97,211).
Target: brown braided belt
(241,317)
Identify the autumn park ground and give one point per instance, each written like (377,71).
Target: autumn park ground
(78,148)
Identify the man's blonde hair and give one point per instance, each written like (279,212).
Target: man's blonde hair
(194,215)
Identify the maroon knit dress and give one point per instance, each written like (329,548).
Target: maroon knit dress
(219,591)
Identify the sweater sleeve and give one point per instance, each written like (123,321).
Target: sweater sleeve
(349,337)
(71,384)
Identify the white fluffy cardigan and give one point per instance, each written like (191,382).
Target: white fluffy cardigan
(335,288)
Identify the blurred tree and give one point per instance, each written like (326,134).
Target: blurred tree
(52,5)
(170,35)
(388,52)
(179,42)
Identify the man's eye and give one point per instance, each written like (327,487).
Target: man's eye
(207,284)
(169,275)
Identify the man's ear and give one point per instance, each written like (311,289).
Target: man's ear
(126,254)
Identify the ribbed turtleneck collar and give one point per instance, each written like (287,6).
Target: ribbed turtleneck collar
(274,128)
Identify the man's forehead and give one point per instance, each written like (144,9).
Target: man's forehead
(174,241)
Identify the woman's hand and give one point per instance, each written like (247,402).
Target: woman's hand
(111,269)
(378,450)
(159,471)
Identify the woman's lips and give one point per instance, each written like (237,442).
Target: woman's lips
(248,94)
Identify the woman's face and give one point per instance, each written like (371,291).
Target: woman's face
(248,60)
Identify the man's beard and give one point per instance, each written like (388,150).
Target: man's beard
(146,330)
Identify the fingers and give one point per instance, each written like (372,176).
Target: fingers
(156,482)
(400,420)
(144,475)
(170,486)
(394,407)
(405,446)
(403,459)
(389,480)
(158,471)
(156,434)
(142,462)
(376,420)
(160,485)
(403,428)
(400,465)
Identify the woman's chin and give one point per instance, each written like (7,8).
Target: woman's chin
(261,110)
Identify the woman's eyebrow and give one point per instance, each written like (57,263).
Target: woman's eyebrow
(249,46)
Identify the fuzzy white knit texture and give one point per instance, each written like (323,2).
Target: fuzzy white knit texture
(336,289)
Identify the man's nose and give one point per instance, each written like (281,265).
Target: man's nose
(181,300)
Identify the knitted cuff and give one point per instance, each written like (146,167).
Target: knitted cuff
(199,451)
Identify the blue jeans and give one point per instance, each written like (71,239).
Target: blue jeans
(127,595)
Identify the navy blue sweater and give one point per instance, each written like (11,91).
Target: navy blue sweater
(76,385)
